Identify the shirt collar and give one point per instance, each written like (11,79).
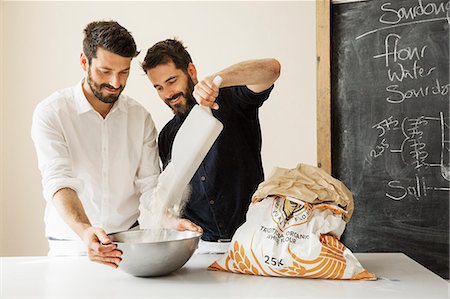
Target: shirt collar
(84,106)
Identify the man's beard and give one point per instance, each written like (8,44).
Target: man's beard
(183,109)
(97,90)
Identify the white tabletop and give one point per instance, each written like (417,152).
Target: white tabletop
(77,277)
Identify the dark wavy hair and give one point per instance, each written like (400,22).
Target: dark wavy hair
(110,36)
(165,51)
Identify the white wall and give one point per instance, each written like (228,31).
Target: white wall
(2,140)
(41,47)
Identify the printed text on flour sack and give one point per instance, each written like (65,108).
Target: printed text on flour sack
(283,237)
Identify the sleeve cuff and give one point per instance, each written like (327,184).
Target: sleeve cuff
(54,185)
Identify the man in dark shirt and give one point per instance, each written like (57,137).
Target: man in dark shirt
(231,171)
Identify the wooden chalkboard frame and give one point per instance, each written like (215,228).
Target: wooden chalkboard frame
(323,97)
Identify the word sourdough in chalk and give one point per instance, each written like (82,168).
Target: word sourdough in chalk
(393,15)
(398,95)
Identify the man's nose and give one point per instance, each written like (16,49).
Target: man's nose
(169,93)
(114,81)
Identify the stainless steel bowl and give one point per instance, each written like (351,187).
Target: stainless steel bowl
(159,252)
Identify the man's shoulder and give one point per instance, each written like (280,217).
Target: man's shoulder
(242,98)
(60,98)
(171,124)
(240,90)
(169,129)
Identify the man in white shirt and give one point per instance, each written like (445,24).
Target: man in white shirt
(96,151)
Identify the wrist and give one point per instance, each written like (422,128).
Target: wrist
(81,229)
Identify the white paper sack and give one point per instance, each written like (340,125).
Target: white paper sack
(284,236)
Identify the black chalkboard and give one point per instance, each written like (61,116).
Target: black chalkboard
(391,125)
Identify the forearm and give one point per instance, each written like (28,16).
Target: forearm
(98,245)
(69,207)
(258,74)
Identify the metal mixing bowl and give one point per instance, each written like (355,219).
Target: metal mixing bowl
(148,252)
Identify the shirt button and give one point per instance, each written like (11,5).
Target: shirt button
(203,178)
(221,225)
(211,201)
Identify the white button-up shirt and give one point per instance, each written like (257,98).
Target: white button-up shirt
(112,163)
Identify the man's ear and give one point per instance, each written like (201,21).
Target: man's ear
(84,62)
(192,71)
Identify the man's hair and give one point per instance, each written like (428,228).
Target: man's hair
(110,36)
(166,51)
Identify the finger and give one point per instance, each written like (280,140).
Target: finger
(185,224)
(200,100)
(106,247)
(211,85)
(207,86)
(206,95)
(197,228)
(206,92)
(215,106)
(209,92)
(106,259)
(109,251)
(102,236)
(181,226)
(97,248)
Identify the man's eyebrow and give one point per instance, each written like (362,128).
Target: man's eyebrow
(167,80)
(110,69)
(170,78)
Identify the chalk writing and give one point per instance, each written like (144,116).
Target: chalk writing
(391,122)
(414,150)
(392,15)
(398,190)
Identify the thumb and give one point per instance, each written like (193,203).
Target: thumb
(102,237)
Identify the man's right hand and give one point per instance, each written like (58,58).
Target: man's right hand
(99,247)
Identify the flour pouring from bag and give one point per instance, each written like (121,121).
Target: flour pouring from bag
(192,142)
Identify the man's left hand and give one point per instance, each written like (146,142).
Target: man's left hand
(205,93)
(185,224)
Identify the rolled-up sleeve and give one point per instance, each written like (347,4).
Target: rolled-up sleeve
(53,156)
(149,169)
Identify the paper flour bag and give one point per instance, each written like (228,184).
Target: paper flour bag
(293,228)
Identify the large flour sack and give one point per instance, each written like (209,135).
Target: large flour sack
(293,228)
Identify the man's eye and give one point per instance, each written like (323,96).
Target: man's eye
(124,72)
(106,72)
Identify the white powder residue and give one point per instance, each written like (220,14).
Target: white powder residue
(168,201)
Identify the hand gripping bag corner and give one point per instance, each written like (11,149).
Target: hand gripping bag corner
(293,228)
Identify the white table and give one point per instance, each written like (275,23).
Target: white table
(77,277)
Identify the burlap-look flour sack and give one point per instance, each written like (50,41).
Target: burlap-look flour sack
(293,228)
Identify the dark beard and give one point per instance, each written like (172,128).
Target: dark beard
(96,90)
(184,109)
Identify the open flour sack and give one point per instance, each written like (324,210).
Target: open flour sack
(293,228)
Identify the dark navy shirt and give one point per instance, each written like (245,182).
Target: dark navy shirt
(223,185)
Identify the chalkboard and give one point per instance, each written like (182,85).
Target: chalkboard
(390,125)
